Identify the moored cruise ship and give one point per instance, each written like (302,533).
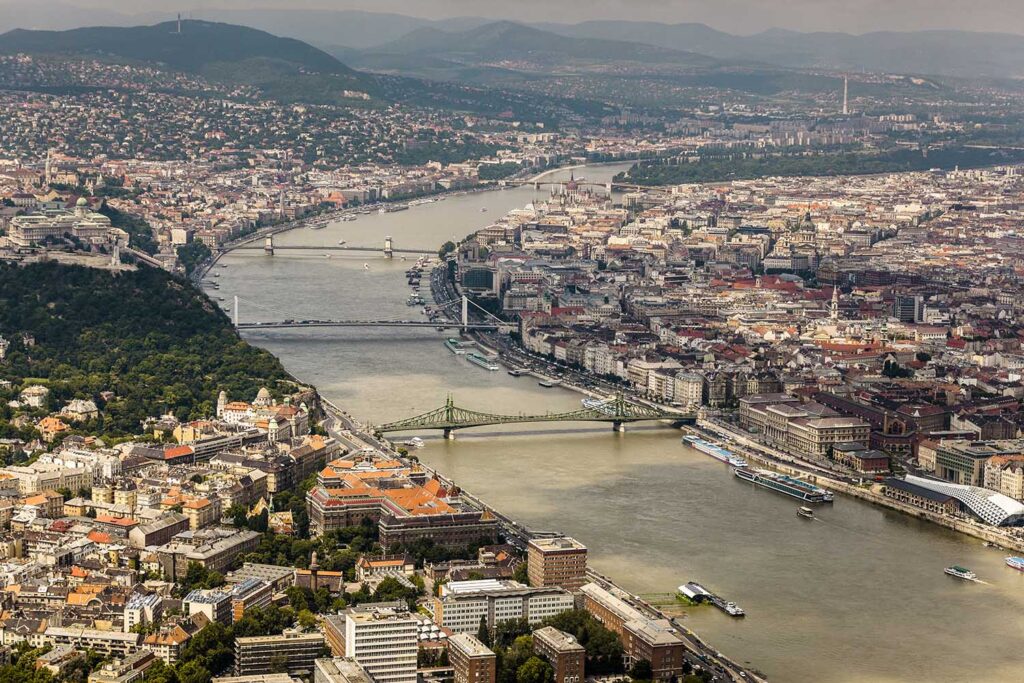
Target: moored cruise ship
(1015,562)
(716,452)
(782,483)
(483,361)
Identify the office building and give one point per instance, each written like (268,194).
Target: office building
(339,670)
(643,638)
(295,652)
(471,660)
(463,604)
(557,562)
(567,656)
(382,638)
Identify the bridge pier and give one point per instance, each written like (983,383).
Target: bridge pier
(618,427)
(388,249)
(449,434)
(268,245)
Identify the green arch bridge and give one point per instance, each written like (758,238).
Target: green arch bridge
(450,417)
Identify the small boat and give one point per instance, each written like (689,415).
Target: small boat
(340,242)
(805,512)
(733,610)
(483,209)
(366,266)
(549,383)
(515,372)
(327,256)
(961,572)
(1015,562)
(414,442)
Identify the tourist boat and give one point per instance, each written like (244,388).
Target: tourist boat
(515,372)
(961,572)
(482,361)
(549,383)
(805,512)
(716,452)
(784,484)
(414,442)
(1015,562)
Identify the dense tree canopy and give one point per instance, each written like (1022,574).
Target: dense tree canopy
(153,340)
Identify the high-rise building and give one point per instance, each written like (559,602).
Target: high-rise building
(472,661)
(339,670)
(383,638)
(566,655)
(293,651)
(557,562)
(909,309)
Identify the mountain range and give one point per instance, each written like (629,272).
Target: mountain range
(942,53)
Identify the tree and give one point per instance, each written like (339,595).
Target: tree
(483,634)
(193,672)
(307,620)
(641,670)
(535,670)
(521,573)
(446,248)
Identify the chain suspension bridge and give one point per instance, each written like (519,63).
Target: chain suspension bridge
(269,247)
(450,417)
(444,321)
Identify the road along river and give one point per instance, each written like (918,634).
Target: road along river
(856,595)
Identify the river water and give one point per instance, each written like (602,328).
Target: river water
(857,594)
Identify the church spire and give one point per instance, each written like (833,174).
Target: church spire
(834,308)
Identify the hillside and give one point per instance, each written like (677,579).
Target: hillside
(199,45)
(153,340)
(504,40)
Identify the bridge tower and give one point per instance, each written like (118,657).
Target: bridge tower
(388,250)
(465,312)
(449,417)
(235,314)
(268,245)
(608,188)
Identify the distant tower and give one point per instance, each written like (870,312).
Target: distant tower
(846,96)
(222,401)
(280,203)
(314,569)
(834,308)
(179,23)
(49,165)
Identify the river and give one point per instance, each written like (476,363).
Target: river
(857,594)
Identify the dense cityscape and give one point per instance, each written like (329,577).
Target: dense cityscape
(221,452)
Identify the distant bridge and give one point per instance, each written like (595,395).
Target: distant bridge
(448,418)
(607,187)
(463,322)
(388,249)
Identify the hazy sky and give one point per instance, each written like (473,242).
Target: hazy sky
(853,16)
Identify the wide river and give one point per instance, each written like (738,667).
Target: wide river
(858,594)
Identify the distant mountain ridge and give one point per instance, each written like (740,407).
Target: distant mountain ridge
(506,40)
(942,53)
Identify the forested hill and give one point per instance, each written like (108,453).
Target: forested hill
(153,340)
(200,44)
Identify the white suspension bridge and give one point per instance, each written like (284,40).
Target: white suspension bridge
(443,321)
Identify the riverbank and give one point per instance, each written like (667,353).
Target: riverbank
(868,493)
